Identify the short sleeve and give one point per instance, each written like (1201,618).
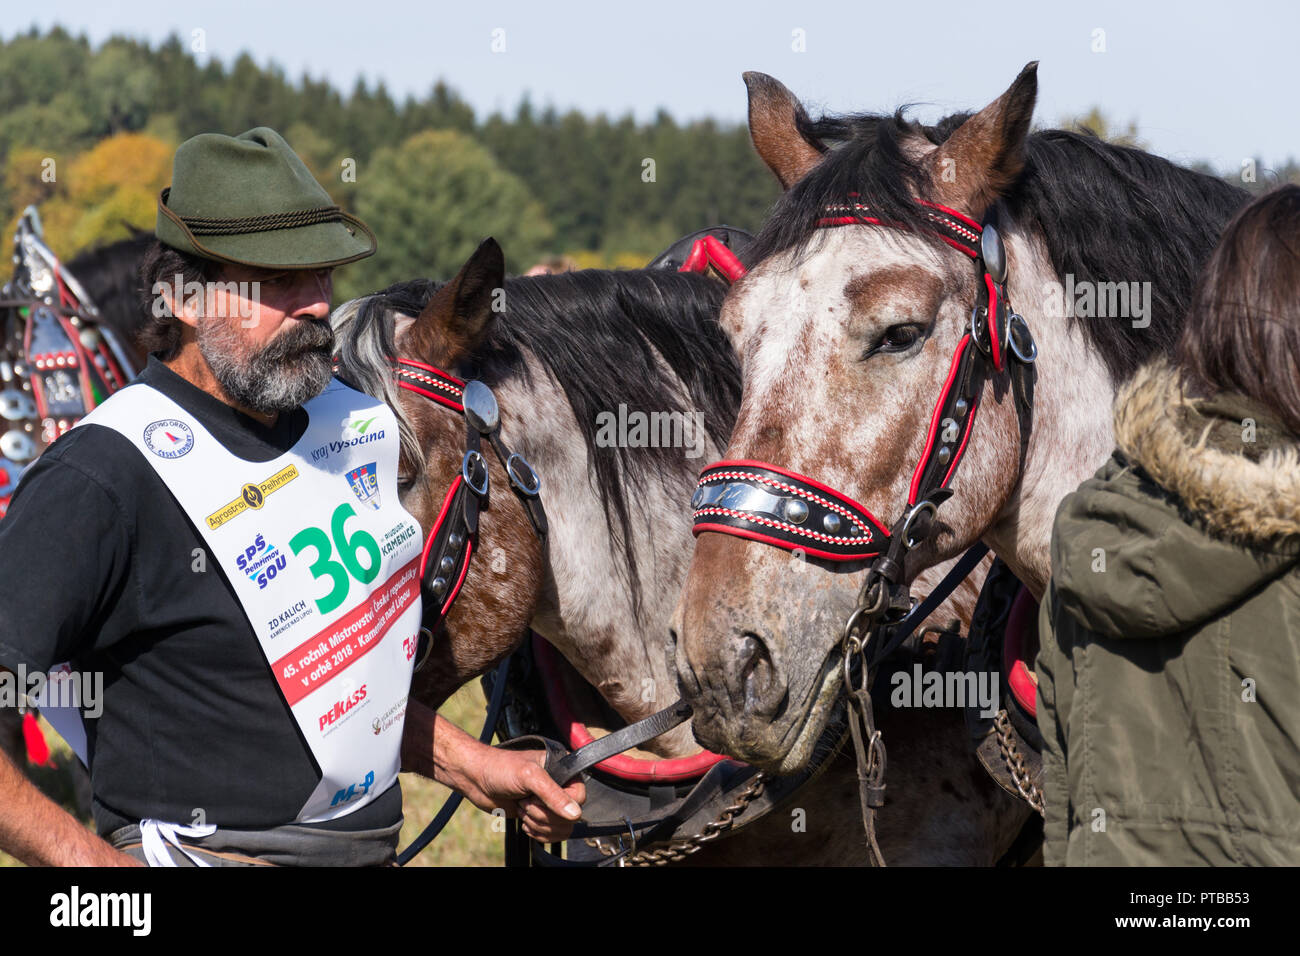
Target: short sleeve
(65,560)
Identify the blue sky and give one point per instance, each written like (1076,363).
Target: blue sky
(1204,80)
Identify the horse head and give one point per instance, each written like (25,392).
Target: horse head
(387,349)
(851,325)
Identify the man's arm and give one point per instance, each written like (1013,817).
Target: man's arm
(39,832)
(513,781)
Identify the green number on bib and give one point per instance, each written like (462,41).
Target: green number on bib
(316,538)
(361,541)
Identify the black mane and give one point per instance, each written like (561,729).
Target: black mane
(606,337)
(1108,213)
(110,275)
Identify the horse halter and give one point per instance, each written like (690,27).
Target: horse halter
(451,541)
(763,502)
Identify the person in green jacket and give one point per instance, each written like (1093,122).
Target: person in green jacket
(1169,668)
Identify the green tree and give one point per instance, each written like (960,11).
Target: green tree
(431,200)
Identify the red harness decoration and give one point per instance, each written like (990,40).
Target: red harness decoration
(710,251)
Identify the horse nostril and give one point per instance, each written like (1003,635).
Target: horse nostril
(757,674)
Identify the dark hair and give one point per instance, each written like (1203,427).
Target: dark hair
(162,264)
(1243,329)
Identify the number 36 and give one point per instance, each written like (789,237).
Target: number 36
(349,549)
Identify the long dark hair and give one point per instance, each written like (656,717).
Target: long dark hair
(1242,332)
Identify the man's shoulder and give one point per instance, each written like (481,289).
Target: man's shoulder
(100,453)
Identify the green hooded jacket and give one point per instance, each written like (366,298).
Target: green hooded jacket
(1169,668)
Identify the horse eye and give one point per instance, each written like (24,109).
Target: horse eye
(897,338)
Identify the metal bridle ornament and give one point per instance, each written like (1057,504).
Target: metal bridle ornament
(763,502)
(450,544)
(57,361)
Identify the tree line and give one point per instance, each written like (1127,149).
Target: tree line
(87,132)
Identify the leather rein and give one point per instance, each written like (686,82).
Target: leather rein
(763,502)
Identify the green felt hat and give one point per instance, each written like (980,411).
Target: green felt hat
(249,200)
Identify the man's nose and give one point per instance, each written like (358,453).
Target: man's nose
(317,293)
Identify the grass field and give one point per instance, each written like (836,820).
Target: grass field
(469,840)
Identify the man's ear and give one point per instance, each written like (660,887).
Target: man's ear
(457,317)
(984,156)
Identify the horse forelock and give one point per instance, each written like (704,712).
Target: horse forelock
(365,347)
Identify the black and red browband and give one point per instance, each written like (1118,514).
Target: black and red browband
(764,502)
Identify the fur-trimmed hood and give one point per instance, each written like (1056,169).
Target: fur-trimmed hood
(1188,519)
(1228,459)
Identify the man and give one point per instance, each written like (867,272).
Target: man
(183,542)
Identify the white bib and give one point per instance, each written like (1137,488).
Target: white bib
(323,559)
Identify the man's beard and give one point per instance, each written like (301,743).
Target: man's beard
(294,367)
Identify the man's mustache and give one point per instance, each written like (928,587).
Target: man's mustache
(307,335)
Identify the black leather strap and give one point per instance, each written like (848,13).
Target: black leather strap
(569,766)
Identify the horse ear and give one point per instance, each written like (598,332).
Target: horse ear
(457,317)
(774,116)
(983,156)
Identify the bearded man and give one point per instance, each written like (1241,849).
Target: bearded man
(183,543)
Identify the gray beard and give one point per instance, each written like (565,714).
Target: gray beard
(294,367)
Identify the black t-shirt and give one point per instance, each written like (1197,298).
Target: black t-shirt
(97,566)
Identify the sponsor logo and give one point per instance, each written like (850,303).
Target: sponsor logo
(169,438)
(342,707)
(393,717)
(351,792)
(252,496)
(364,480)
(358,424)
(397,536)
(261,561)
(290,615)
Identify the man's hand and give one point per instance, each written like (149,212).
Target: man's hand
(515,781)
(512,780)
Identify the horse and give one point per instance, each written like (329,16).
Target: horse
(566,356)
(855,325)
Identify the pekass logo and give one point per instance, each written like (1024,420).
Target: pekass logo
(261,562)
(342,707)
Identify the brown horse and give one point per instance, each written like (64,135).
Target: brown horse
(563,353)
(849,326)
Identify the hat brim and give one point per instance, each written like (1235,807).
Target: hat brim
(317,246)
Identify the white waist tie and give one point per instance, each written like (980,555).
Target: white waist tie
(155,836)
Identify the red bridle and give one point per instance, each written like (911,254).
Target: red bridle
(764,502)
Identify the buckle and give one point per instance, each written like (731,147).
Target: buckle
(473,468)
(516,464)
(1025,353)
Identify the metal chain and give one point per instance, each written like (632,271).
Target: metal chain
(679,850)
(1015,763)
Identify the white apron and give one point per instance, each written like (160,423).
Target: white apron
(323,559)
